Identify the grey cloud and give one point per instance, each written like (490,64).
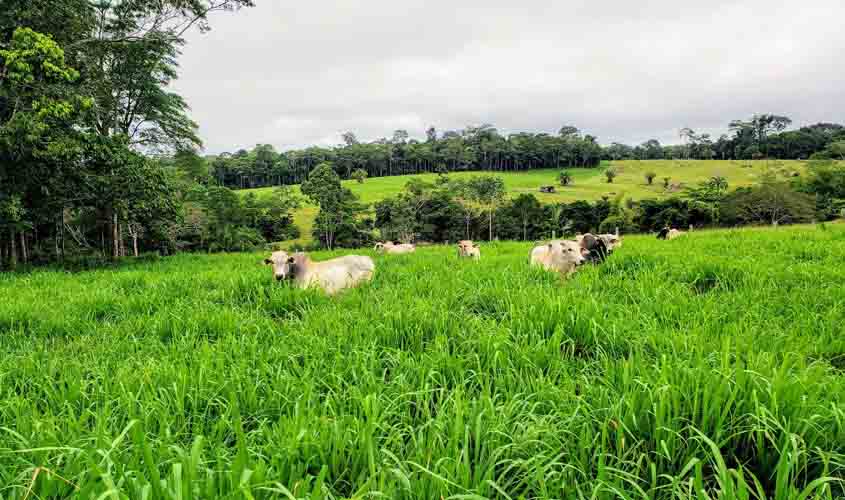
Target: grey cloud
(300,73)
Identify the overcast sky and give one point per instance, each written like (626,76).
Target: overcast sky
(293,73)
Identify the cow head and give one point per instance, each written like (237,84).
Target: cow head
(570,251)
(283,265)
(379,247)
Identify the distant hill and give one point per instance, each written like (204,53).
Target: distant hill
(587,183)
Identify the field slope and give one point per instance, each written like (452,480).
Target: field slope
(676,368)
(588,184)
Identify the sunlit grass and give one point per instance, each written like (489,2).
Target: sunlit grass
(707,366)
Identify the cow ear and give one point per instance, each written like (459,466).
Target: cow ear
(550,246)
(268,262)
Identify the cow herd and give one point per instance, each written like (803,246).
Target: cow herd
(332,276)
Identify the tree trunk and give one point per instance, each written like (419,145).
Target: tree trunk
(63,234)
(490,220)
(13,256)
(135,244)
(114,235)
(24,257)
(120,237)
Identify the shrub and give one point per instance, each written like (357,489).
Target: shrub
(565,178)
(359,175)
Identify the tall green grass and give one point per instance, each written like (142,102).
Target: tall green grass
(709,366)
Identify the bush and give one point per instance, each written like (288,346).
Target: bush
(770,203)
(565,178)
(611,174)
(614,222)
(649,177)
(359,175)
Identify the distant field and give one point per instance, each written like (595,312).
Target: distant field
(588,184)
(704,367)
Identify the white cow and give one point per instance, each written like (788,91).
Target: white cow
(390,248)
(674,233)
(331,276)
(559,256)
(466,248)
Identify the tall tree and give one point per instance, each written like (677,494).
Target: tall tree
(489,192)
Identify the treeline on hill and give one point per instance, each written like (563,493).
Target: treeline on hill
(478,208)
(484,148)
(762,136)
(84,91)
(473,148)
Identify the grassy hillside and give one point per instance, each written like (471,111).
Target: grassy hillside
(588,184)
(675,368)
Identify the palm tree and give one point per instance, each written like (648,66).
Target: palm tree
(565,178)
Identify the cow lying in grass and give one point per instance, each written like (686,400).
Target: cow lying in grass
(331,276)
(390,248)
(599,247)
(467,249)
(669,234)
(563,257)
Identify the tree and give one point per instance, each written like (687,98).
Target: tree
(191,165)
(652,150)
(97,92)
(396,219)
(400,136)
(489,192)
(758,129)
(565,178)
(688,136)
(568,131)
(611,174)
(666,181)
(338,206)
(41,110)
(771,202)
(837,149)
(649,177)
(528,210)
(349,138)
(359,175)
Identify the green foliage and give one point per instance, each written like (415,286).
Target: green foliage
(619,217)
(564,178)
(84,86)
(837,149)
(770,203)
(34,58)
(360,175)
(337,222)
(649,177)
(710,368)
(323,186)
(233,223)
(611,173)
(522,218)
(713,190)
